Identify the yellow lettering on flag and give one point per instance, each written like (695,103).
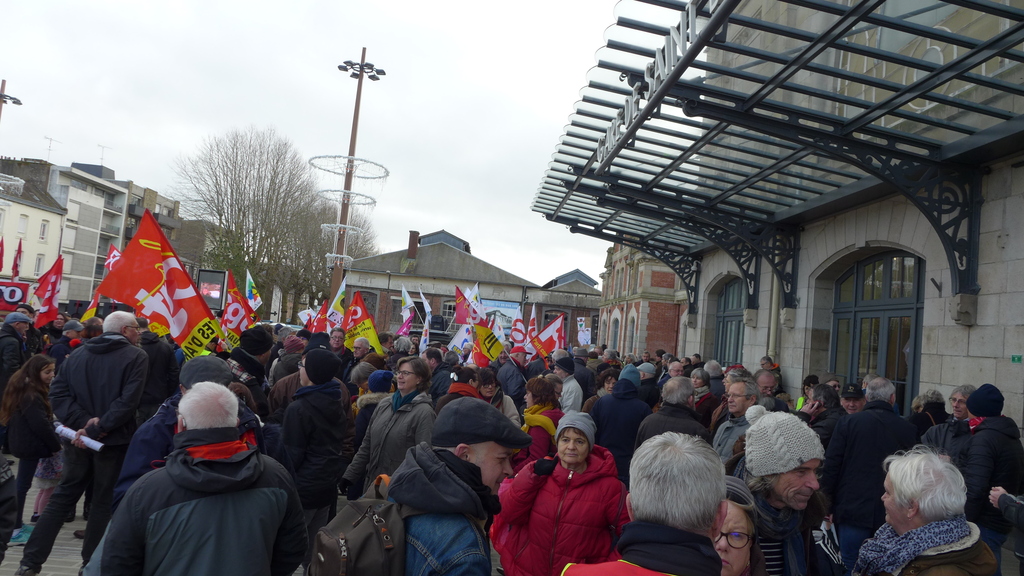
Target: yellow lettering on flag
(489,343)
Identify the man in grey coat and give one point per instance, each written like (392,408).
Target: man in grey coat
(740,395)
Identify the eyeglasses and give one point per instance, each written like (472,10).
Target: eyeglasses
(405,373)
(301,364)
(737,540)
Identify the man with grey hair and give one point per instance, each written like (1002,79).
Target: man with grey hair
(853,475)
(716,383)
(677,506)
(214,492)
(96,393)
(742,394)
(954,435)
(676,413)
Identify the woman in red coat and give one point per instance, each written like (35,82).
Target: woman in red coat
(540,419)
(569,509)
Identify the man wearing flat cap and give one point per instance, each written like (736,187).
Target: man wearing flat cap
(248,365)
(572,393)
(455,481)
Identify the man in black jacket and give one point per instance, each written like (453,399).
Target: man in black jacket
(162,378)
(953,436)
(217,507)
(313,435)
(823,412)
(584,376)
(676,413)
(61,349)
(853,475)
(248,365)
(994,458)
(440,373)
(96,393)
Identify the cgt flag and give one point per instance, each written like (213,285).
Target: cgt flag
(150,278)
(551,338)
(48,293)
(237,316)
(359,324)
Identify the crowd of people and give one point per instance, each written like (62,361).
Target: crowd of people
(579,463)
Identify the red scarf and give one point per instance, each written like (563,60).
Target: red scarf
(217,451)
(975,422)
(463,389)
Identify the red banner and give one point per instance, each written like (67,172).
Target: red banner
(12,294)
(359,324)
(150,278)
(48,293)
(551,338)
(237,315)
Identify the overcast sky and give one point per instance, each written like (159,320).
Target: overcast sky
(474,101)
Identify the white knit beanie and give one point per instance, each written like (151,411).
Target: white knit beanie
(778,442)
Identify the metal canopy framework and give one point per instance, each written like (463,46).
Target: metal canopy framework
(730,123)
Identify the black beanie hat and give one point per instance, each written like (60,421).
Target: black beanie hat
(318,341)
(256,341)
(321,366)
(985,401)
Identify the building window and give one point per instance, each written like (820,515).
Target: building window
(156,210)
(23,224)
(68,239)
(876,322)
(73,211)
(44,228)
(370,300)
(40,261)
(630,336)
(729,324)
(448,309)
(79,185)
(614,336)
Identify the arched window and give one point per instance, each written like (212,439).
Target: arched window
(614,336)
(729,324)
(876,322)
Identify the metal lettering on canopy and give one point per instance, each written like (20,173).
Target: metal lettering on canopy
(731,123)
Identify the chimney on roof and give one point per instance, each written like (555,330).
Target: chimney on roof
(414,244)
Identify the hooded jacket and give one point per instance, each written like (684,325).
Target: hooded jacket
(564,516)
(994,458)
(367,404)
(154,441)
(234,511)
(672,418)
(388,437)
(952,437)
(13,353)
(162,378)
(440,381)
(512,381)
(657,550)
(313,431)
(618,417)
(104,379)
(450,536)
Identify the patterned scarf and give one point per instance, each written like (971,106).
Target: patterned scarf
(783,525)
(890,552)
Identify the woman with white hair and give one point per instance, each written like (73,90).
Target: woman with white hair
(926,532)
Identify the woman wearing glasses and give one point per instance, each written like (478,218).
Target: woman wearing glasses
(397,424)
(736,543)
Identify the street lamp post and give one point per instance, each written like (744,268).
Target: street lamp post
(5,98)
(356,70)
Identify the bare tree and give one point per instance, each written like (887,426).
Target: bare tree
(260,199)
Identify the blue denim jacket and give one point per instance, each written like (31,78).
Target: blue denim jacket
(449,544)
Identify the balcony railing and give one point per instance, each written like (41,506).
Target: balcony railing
(136,210)
(167,221)
(111,229)
(129,233)
(112,205)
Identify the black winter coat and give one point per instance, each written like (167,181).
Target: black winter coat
(162,376)
(952,438)
(618,417)
(825,424)
(104,379)
(585,377)
(671,418)
(29,431)
(853,477)
(648,392)
(313,433)
(13,354)
(994,458)
(932,414)
(440,381)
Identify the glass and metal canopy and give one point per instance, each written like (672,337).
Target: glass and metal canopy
(727,123)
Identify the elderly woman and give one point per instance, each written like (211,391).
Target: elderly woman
(737,542)
(605,382)
(932,411)
(704,402)
(540,420)
(397,424)
(567,509)
(925,531)
(491,392)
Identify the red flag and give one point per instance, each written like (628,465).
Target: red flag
(113,258)
(551,338)
(150,278)
(358,323)
(16,266)
(318,323)
(461,307)
(48,293)
(531,331)
(237,315)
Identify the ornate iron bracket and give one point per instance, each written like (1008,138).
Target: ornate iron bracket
(949,195)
